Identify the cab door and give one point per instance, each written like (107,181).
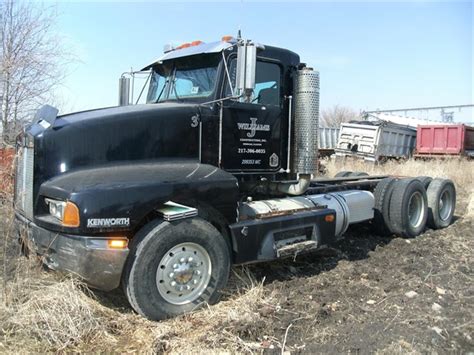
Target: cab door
(251,131)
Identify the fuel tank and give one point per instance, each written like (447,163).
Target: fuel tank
(352,206)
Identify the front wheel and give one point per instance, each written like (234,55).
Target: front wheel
(174,268)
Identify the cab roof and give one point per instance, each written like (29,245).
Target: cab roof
(219,46)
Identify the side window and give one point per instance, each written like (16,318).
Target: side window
(267,83)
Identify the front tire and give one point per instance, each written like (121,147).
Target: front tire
(174,268)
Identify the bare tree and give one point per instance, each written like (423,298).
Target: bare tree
(32,61)
(337,114)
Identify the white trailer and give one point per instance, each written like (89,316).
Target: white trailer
(327,141)
(375,141)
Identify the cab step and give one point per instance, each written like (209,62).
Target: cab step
(296,248)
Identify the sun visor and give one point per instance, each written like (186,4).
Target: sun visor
(203,48)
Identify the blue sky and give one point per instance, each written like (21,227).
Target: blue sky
(370,54)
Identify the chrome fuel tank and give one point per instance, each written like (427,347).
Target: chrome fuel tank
(351,206)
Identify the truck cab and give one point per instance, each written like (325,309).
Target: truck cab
(254,129)
(217,168)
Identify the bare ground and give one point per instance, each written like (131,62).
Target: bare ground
(366,294)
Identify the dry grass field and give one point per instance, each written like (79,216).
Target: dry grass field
(351,298)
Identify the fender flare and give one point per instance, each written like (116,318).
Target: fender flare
(135,190)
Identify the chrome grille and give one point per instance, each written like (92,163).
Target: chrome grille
(24,180)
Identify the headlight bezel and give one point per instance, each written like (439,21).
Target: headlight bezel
(66,212)
(56,208)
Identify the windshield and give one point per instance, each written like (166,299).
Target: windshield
(186,78)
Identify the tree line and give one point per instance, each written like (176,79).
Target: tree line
(33,62)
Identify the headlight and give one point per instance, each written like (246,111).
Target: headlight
(56,208)
(66,212)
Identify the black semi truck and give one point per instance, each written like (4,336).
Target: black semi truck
(217,168)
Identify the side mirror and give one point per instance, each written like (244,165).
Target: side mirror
(246,68)
(124,91)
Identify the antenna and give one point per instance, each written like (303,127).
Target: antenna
(241,16)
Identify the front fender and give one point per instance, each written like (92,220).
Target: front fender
(131,191)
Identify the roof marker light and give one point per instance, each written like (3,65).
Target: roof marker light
(227,39)
(189,44)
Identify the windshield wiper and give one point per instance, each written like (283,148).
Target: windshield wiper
(161,92)
(174,87)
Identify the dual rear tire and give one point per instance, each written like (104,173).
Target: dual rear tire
(405,207)
(408,211)
(347,173)
(441,202)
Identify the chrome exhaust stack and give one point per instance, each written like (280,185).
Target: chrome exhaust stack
(306,121)
(306,118)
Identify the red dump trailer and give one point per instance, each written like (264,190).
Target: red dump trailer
(440,140)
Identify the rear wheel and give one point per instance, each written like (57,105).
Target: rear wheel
(425,180)
(441,203)
(408,208)
(382,195)
(343,173)
(175,268)
(358,173)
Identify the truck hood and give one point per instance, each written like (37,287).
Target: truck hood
(114,112)
(113,136)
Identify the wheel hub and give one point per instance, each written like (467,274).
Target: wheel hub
(416,206)
(445,205)
(183,273)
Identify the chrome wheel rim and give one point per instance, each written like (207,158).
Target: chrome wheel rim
(445,205)
(183,273)
(416,206)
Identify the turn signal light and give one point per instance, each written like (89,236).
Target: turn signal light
(196,43)
(329,218)
(117,243)
(71,215)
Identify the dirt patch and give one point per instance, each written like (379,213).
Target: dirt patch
(365,294)
(470,206)
(356,300)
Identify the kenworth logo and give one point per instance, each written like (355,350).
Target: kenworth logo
(107,222)
(253,127)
